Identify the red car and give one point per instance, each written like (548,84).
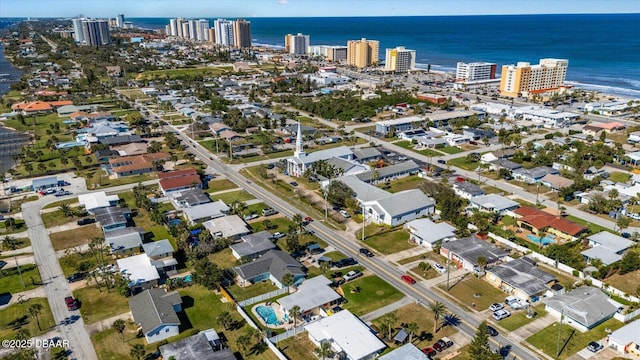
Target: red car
(308,219)
(429,352)
(408,279)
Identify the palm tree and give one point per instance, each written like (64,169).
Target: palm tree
(34,311)
(438,309)
(295,313)
(23,334)
(119,326)
(12,243)
(137,351)
(298,220)
(224,319)
(412,329)
(324,350)
(243,343)
(390,321)
(287,279)
(66,210)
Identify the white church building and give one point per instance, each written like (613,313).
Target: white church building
(298,164)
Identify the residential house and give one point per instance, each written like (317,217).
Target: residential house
(478,134)
(634,137)
(456,139)
(364,155)
(124,241)
(538,221)
(466,252)
(521,278)
(556,182)
(467,190)
(155,311)
(230,135)
(270,267)
(204,212)
(101,130)
(205,345)
(593,131)
(626,340)
(494,203)
(104,155)
(391,172)
(583,308)
(504,164)
(97,200)
(142,274)
(314,297)
(217,128)
(347,167)
(179,180)
(161,254)
(363,191)
(228,227)
(349,337)
(534,175)
(138,164)
(606,247)
(112,218)
(253,245)
(131,149)
(189,198)
(399,207)
(292,129)
(592,172)
(429,234)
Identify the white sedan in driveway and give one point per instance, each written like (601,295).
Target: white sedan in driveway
(501,314)
(440,268)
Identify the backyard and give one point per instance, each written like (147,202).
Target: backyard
(406,183)
(74,237)
(373,294)
(297,347)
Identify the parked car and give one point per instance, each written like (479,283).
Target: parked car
(345,262)
(496,307)
(429,352)
(501,314)
(440,161)
(440,268)
(595,346)
(268,212)
(277,235)
(308,219)
(492,331)
(72,304)
(514,302)
(366,252)
(442,344)
(76,277)
(408,279)
(86,221)
(250,217)
(352,275)
(293,183)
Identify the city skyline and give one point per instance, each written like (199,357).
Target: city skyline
(305,8)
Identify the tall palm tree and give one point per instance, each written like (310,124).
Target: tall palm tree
(137,351)
(12,243)
(438,309)
(298,220)
(324,350)
(34,311)
(66,210)
(224,319)
(243,343)
(412,329)
(295,313)
(119,326)
(390,321)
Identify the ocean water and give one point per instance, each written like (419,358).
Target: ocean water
(603,50)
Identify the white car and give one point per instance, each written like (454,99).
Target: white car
(277,235)
(501,314)
(345,213)
(496,306)
(250,217)
(440,268)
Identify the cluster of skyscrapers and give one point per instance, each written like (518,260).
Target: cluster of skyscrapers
(91,32)
(231,33)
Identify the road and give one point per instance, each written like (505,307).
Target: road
(348,245)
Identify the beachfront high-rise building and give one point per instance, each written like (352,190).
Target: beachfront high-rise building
(224,32)
(476,71)
(527,80)
(362,53)
(120,21)
(78,34)
(400,60)
(241,33)
(298,44)
(173,27)
(212,35)
(185,34)
(287,42)
(96,32)
(336,53)
(193,29)
(203,30)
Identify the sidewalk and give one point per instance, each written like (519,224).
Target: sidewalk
(418,250)
(106,323)
(387,309)
(22,260)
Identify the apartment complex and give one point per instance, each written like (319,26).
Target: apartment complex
(188,29)
(95,32)
(362,53)
(236,33)
(241,33)
(297,44)
(476,71)
(527,80)
(400,59)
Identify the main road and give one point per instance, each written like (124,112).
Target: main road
(348,245)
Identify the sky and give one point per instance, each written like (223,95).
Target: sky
(305,8)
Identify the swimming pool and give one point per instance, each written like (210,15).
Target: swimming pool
(545,241)
(70,144)
(187,279)
(268,315)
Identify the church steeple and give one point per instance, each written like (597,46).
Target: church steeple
(299,144)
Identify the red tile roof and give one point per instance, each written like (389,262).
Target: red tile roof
(540,219)
(180,182)
(177,173)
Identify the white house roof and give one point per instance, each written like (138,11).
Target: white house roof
(627,334)
(348,332)
(429,231)
(405,352)
(610,241)
(404,201)
(96,200)
(311,293)
(230,226)
(138,268)
(586,305)
(603,254)
(364,192)
(207,210)
(494,202)
(310,158)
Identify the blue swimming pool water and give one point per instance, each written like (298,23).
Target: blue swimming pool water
(187,279)
(68,145)
(545,241)
(174,222)
(267,314)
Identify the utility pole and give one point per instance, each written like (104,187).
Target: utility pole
(364,221)
(448,267)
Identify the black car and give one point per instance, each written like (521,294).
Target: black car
(441,161)
(76,277)
(86,221)
(492,331)
(345,262)
(293,183)
(366,252)
(595,346)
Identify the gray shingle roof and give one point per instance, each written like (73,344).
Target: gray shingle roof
(364,191)
(191,197)
(121,139)
(405,201)
(524,275)
(366,153)
(158,248)
(585,305)
(253,244)
(154,307)
(275,262)
(471,248)
(405,352)
(195,347)
(124,239)
(469,188)
(206,210)
(390,171)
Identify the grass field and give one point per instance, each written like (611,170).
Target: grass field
(10,279)
(16,317)
(58,203)
(374,293)
(221,185)
(473,290)
(429,274)
(75,237)
(619,177)
(229,197)
(99,305)
(408,145)
(462,163)
(224,259)
(171,74)
(240,293)
(390,242)
(412,259)
(405,183)
(56,218)
(280,224)
(519,319)
(297,347)
(451,150)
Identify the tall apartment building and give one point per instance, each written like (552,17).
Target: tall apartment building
(336,53)
(362,53)
(212,35)
(202,30)
(96,32)
(287,42)
(400,59)
(224,32)
(527,80)
(120,21)
(185,34)
(241,33)
(193,29)
(78,33)
(476,71)
(298,44)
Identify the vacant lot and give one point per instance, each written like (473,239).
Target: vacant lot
(475,291)
(231,196)
(390,242)
(15,317)
(10,279)
(99,305)
(519,319)
(406,183)
(374,293)
(75,237)
(220,185)
(240,293)
(297,347)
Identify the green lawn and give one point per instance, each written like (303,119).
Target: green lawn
(220,185)
(231,196)
(56,218)
(75,237)
(429,274)
(224,259)
(256,208)
(391,242)
(519,319)
(566,280)
(15,317)
(99,305)
(593,228)
(485,293)
(412,259)
(58,203)
(280,224)
(335,255)
(571,340)
(451,150)
(181,73)
(297,347)
(462,163)
(621,177)
(405,183)
(374,293)
(240,293)
(408,145)
(10,279)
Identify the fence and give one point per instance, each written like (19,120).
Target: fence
(270,344)
(263,297)
(285,335)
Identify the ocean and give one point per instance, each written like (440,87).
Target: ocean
(603,49)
